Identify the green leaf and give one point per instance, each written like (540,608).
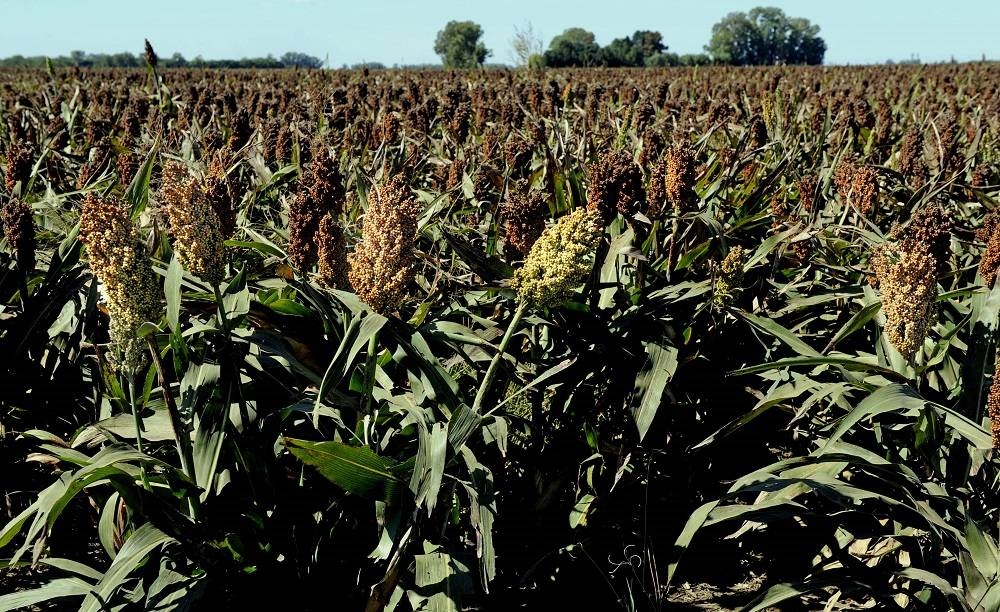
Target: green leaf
(357,470)
(428,469)
(783,592)
(137,193)
(106,525)
(683,542)
(977,367)
(260,247)
(651,383)
(781,333)
(886,399)
(173,591)
(73,567)
(848,363)
(172,291)
(938,583)
(359,330)
(690,256)
(991,601)
(581,511)
(133,553)
(983,550)
(289,307)
(60,587)
(462,423)
(858,321)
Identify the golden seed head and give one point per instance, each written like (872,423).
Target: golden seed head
(193,223)
(122,265)
(559,260)
(729,277)
(383,266)
(906,273)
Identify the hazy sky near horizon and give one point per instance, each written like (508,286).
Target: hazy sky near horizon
(403,32)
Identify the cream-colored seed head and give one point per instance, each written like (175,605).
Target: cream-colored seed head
(118,259)
(559,260)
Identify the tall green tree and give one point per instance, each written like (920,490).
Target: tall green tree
(765,36)
(638,50)
(574,47)
(459,45)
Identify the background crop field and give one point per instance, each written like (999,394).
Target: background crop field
(430,340)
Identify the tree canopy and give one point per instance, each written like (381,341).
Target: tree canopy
(765,36)
(574,47)
(638,50)
(459,45)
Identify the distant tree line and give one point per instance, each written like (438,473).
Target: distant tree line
(128,60)
(764,36)
(577,47)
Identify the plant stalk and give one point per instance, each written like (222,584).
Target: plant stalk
(223,319)
(134,402)
(369,382)
(491,372)
(181,437)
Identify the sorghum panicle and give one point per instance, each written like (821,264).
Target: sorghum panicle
(911,158)
(221,194)
(332,253)
(121,263)
(989,262)
(150,55)
(194,225)
(993,406)
(559,260)
(907,278)
(19,163)
(524,215)
(321,193)
(19,230)
(680,176)
(807,192)
(729,277)
(383,266)
(615,185)
(931,227)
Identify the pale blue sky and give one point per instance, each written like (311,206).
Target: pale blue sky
(401,31)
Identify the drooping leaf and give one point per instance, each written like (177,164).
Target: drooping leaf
(357,470)
(133,554)
(651,383)
(56,589)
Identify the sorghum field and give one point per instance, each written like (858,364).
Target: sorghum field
(708,338)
